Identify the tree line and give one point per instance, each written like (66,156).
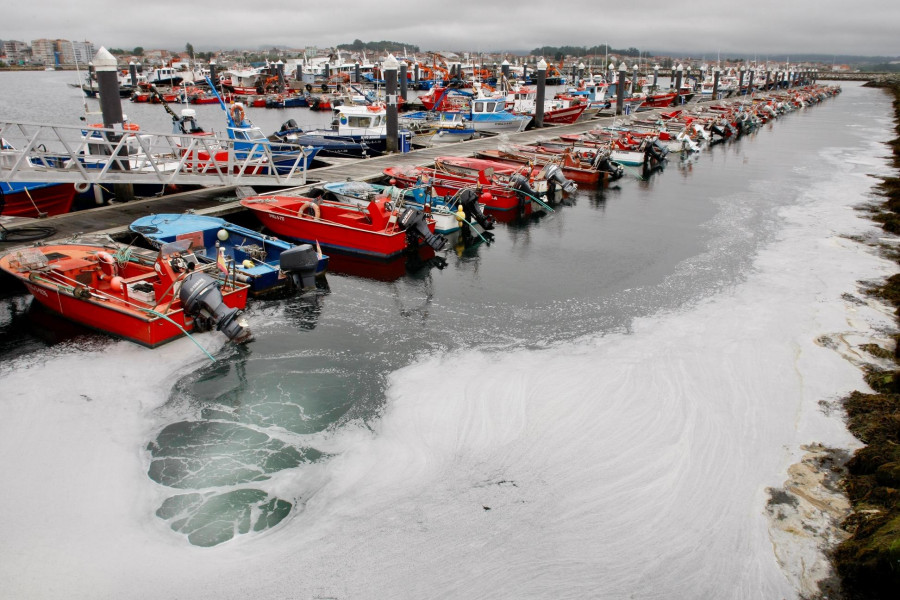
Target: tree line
(560,52)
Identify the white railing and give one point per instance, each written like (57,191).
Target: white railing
(94,154)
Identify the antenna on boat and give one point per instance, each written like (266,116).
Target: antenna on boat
(81,87)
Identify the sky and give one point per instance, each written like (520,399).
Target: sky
(757,27)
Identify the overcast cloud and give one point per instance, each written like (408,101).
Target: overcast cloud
(754,27)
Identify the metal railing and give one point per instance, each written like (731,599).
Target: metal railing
(92,154)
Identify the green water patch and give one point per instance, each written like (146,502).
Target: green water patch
(200,454)
(301,395)
(211,519)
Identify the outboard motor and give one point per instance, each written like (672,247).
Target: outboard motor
(555,177)
(200,295)
(289,125)
(524,192)
(414,223)
(656,151)
(299,264)
(468,199)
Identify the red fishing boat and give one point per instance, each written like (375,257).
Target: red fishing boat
(658,100)
(30,199)
(509,187)
(129,295)
(378,229)
(573,165)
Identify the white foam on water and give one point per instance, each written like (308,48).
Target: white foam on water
(631,464)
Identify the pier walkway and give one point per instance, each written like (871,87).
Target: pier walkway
(222,201)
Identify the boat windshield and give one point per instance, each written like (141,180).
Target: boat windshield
(179,246)
(252,134)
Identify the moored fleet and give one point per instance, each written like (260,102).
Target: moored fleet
(187,273)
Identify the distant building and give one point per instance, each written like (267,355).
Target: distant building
(156,57)
(841,68)
(16,51)
(83,52)
(65,53)
(44,51)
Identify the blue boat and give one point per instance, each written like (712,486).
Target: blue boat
(340,147)
(363,124)
(250,144)
(264,262)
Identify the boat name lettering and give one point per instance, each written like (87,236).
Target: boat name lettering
(276,217)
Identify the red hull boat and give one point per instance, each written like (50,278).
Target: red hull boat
(450,174)
(145,301)
(376,230)
(18,199)
(574,169)
(565,116)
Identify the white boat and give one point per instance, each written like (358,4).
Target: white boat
(490,114)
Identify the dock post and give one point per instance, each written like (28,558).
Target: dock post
(634,80)
(213,75)
(279,71)
(715,92)
(132,71)
(111,107)
(750,82)
(655,77)
(679,72)
(524,72)
(404,83)
(389,69)
(620,88)
(766,86)
(356,73)
(416,83)
(539,100)
(504,69)
(580,73)
(740,89)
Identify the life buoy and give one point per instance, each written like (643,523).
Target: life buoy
(237,114)
(82,187)
(131,127)
(108,268)
(316,211)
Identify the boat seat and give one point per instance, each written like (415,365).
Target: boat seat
(142,277)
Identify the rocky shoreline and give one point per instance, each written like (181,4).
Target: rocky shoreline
(867,561)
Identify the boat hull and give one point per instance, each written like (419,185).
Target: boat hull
(36,199)
(340,228)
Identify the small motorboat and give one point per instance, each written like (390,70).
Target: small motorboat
(511,188)
(125,294)
(378,229)
(265,263)
(443,209)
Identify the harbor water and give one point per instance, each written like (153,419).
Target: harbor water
(594,405)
